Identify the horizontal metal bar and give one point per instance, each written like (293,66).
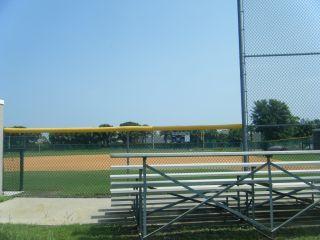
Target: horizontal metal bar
(199,182)
(210,174)
(281,55)
(216,165)
(211,154)
(282,195)
(168,197)
(182,200)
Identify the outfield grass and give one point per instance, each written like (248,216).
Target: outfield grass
(65,183)
(34,153)
(61,183)
(80,183)
(303,157)
(99,232)
(83,183)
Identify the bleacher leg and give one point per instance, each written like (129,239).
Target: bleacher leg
(140,203)
(144,218)
(270,194)
(252,194)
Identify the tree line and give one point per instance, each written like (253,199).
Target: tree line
(272,119)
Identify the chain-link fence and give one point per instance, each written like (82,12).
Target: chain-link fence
(78,164)
(281,40)
(281,52)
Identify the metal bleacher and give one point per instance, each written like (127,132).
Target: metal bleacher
(268,194)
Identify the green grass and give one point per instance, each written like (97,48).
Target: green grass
(60,183)
(69,183)
(85,183)
(303,157)
(5,198)
(35,153)
(99,232)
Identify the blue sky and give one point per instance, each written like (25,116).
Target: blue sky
(67,63)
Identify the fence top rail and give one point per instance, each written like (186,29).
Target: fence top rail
(211,154)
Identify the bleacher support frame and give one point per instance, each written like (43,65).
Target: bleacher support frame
(248,216)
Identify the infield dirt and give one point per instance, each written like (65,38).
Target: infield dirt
(103,162)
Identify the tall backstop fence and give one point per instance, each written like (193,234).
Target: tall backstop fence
(280,55)
(76,161)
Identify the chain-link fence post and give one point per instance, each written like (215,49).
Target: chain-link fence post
(242,80)
(21,181)
(202,139)
(1,146)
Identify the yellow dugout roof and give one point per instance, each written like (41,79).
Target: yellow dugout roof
(122,129)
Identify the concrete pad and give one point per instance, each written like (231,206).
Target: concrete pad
(53,211)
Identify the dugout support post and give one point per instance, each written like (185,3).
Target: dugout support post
(21,181)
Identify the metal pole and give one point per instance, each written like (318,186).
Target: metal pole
(202,138)
(127,150)
(140,204)
(252,194)
(144,217)
(1,146)
(21,170)
(244,110)
(270,192)
(238,195)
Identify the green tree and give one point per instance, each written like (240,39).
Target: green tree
(101,138)
(134,136)
(211,135)
(196,136)
(21,140)
(106,138)
(305,129)
(235,136)
(276,113)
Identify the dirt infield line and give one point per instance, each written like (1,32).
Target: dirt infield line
(102,162)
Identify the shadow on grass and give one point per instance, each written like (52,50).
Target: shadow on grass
(96,232)
(103,231)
